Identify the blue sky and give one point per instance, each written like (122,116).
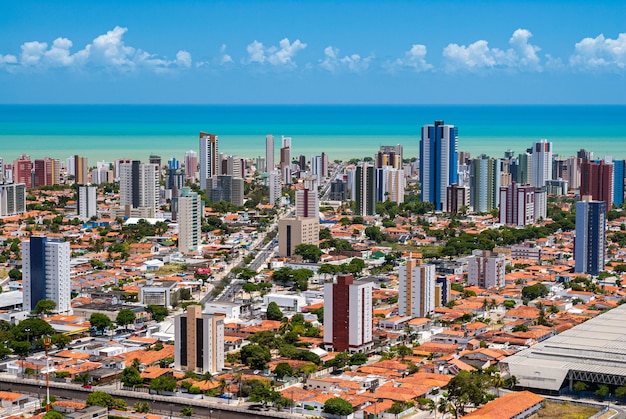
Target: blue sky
(351,52)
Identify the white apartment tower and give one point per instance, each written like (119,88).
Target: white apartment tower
(189,217)
(46,273)
(486,270)
(209,158)
(541,163)
(275,186)
(416,288)
(87,200)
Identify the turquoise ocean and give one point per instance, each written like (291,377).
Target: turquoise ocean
(107,132)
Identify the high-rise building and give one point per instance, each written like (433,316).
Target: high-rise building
(365,189)
(307,203)
(484,184)
(23,170)
(590,242)
(199,341)
(275,186)
(348,314)
(269,153)
(573,172)
(596,180)
(485,270)
(619,171)
(295,231)
(390,184)
(139,185)
(46,273)
(438,162)
(189,217)
(458,198)
(416,288)
(12,199)
(81,170)
(517,204)
(338,190)
(173,164)
(285,160)
(443,291)
(232,166)
(389,155)
(317,168)
(87,202)
(541,163)
(191,165)
(209,158)
(154,159)
(47,172)
(225,188)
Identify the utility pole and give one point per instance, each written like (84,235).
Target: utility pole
(46,344)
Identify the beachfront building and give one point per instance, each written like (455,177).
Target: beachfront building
(590,242)
(485,269)
(416,289)
(12,199)
(517,204)
(348,314)
(46,272)
(189,217)
(438,162)
(285,160)
(86,204)
(619,171)
(22,170)
(541,163)
(295,231)
(209,155)
(269,154)
(81,170)
(46,172)
(199,341)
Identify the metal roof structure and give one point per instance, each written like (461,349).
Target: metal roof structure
(594,352)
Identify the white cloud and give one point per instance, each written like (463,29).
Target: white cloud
(225,58)
(600,53)
(478,56)
(414,59)
(355,63)
(107,50)
(278,56)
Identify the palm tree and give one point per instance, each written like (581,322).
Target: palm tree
(207,376)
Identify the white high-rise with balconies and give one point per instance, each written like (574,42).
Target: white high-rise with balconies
(189,217)
(209,158)
(416,289)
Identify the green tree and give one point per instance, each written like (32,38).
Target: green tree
(100,398)
(602,391)
(60,340)
(534,291)
(4,351)
(141,407)
(283,370)
(309,252)
(45,307)
(15,274)
(580,386)
(53,414)
(338,406)
(326,269)
(163,383)
(467,388)
(187,411)
(100,321)
(358,359)
(20,348)
(131,377)
(31,329)
(255,356)
(158,313)
(125,317)
(274,312)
